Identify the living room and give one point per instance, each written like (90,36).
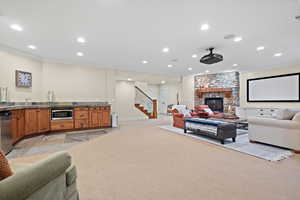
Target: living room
(149,100)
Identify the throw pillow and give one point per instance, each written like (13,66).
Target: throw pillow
(297,117)
(5,170)
(284,114)
(209,111)
(186,113)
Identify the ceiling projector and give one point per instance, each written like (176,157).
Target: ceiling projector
(211,58)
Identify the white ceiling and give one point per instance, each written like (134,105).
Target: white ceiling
(122,33)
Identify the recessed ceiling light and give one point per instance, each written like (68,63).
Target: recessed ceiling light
(194,56)
(235,65)
(16,27)
(238,39)
(207,71)
(190,69)
(166,49)
(204,27)
(145,62)
(163,82)
(81,40)
(170,66)
(260,48)
(32,47)
(278,54)
(80,54)
(129,79)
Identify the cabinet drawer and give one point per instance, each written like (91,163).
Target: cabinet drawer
(62,125)
(81,124)
(81,115)
(94,109)
(81,109)
(105,108)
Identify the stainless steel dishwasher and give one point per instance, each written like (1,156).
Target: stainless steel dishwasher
(5,132)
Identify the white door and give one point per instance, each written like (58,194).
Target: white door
(163,101)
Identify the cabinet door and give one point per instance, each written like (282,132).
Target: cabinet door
(21,124)
(94,119)
(14,126)
(31,121)
(43,120)
(82,123)
(106,118)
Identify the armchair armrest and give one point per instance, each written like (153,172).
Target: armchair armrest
(25,182)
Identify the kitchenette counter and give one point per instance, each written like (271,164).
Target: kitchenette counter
(33,105)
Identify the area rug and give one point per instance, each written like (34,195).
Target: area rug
(242,144)
(53,142)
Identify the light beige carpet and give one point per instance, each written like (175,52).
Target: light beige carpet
(140,161)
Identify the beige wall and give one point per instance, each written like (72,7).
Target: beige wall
(243,87)
(9,63)
(125,100)
(187,91)
(76,83)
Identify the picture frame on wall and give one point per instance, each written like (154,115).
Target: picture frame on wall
(23,79)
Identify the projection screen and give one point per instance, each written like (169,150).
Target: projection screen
(282,88)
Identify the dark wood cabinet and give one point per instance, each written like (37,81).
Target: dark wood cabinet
(17,125)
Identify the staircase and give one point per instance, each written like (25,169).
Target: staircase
(145,103)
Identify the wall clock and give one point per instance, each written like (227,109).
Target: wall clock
(23,79)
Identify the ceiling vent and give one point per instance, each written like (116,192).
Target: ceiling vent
(211,58)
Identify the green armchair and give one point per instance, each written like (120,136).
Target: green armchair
(49,179)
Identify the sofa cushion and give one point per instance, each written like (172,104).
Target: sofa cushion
(296,117)
(5,170)
(284,114)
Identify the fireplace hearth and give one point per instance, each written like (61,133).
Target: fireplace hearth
(216,104)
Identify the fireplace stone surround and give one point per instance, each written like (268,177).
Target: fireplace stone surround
(223,83)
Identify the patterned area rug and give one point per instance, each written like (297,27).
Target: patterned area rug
(242,144)
(53,142)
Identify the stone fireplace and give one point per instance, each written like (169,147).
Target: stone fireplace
(211,88)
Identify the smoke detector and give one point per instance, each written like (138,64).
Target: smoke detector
(229,36)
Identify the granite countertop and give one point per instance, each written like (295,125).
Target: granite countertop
(23,105)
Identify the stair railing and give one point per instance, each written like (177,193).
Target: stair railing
(149,104)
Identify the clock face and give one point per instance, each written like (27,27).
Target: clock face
(23,79)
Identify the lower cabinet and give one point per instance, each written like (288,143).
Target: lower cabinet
(43,120)
(60,125)
(37,121)
(81,123)
(18,125)
(31,121)
(94,120)
(105,118)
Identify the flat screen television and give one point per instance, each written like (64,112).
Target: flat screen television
(281,88)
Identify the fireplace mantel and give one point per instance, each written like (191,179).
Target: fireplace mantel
(227,91)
